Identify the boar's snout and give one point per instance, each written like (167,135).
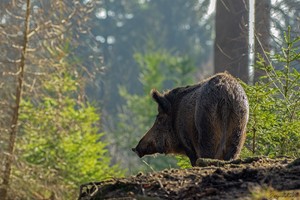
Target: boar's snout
(147,145)
(137,152)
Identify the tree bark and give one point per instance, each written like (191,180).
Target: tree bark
(15,115)
(231,42)
(261,33)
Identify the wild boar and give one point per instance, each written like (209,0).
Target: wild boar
(206,120)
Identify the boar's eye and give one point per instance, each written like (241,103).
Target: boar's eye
(160,119)
(157,119)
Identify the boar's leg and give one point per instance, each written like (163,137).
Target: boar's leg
(188,145)
(205,136)
(209,125)
(192,156)
(237,140)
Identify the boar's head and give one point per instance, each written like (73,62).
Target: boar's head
(157,139)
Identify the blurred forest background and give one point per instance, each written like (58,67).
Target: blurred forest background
(75,77)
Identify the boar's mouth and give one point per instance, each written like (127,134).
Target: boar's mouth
(141,153)
(138,153)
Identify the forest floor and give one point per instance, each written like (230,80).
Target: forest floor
(251,178)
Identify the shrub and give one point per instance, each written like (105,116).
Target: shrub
(274,124)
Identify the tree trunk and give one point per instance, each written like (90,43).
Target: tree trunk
(15,114)
(261,33)
(231,42)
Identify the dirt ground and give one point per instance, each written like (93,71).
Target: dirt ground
(251,178)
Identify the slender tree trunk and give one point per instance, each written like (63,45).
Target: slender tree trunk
(261,33)
(15,116)
(231,43)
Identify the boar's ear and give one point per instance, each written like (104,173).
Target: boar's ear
(162,101)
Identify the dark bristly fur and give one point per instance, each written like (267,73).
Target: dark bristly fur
(206,120)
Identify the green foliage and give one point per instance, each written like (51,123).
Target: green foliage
(183,162)
(158,69)
(183,27)
(274,123)
(61,141)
